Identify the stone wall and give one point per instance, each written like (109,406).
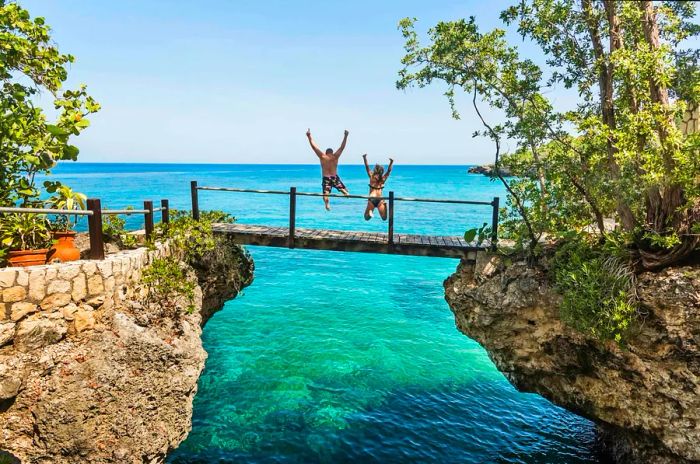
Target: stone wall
(71,292)
(95,370)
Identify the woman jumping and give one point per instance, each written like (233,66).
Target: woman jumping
(377,179)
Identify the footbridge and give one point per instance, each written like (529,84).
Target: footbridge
(390,242)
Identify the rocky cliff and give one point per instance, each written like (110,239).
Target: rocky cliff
(92,371)
(645,397)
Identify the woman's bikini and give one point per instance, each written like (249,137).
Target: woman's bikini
(376,201)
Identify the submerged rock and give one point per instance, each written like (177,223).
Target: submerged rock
(644,397)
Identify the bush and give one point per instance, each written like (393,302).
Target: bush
(598,289)
(167,281)
(166,278)
(193,237)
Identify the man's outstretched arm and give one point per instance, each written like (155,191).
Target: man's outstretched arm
(315,148)
(342,145)
(364,158)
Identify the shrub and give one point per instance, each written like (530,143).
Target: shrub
(167,281)
(598,289)
(166,278)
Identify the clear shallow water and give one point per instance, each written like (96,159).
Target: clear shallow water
(346,357)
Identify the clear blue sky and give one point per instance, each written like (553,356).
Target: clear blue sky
(240,81)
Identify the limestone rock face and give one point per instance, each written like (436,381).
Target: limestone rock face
(99,383)
(644,397)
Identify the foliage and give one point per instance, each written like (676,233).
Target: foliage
(168,283)
(480,234)
(618,153)
(113,228)
(194,237)
(166,277)
(65,198)
(598,290)
(24,232)
(29,142)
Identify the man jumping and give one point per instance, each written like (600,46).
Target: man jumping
(329,168)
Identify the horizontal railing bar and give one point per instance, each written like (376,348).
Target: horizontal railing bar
(338,195)
(125,211)
(229,189)
(77,212)
(437,200)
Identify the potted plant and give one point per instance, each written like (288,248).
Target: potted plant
(64,197)
(26,237)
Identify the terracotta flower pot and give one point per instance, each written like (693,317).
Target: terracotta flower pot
(64,248)
(24,258)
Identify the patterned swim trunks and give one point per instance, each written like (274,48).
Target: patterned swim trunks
(329,182)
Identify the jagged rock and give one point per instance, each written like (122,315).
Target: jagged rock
(488,170)
(644,397)
(38,333)
(119,392)
(84,320)
(7,332)
(9,385)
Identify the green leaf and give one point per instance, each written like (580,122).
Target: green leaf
(470,235)
(55,130)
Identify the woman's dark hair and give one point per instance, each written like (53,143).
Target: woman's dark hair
(378,171)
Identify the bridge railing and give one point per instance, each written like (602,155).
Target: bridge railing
(292,193)
(94,213)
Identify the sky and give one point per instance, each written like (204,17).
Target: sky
(216,81)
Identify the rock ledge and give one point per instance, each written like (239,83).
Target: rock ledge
(645,397)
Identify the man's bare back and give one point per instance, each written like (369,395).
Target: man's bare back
(329,167)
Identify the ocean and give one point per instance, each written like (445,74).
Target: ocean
(345,357)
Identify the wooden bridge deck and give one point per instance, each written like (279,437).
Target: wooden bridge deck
(339,240)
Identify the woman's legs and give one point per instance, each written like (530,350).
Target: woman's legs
(368,210)
(382,210)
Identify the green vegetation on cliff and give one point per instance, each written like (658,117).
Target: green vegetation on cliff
(620,168)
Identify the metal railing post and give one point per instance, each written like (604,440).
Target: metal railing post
(97,249)
(164,211)
(148,219)
(494,223)
(195,200)
(391,218)
(292,215)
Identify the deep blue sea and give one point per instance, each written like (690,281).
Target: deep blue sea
(345,357)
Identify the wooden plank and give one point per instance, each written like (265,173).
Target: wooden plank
(339,240)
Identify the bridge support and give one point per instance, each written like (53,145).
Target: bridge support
(195,200)
(292,215)
(494,223)
(391,218)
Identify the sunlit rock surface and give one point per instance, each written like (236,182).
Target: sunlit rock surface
(645,397)
(90,371)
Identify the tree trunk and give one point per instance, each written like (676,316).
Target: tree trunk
(606,90)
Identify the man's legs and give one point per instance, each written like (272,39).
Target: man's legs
(326,186)
(340,186)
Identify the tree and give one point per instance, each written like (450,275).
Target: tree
(619,154)
(29,143)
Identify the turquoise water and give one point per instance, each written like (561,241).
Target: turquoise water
(346,357)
